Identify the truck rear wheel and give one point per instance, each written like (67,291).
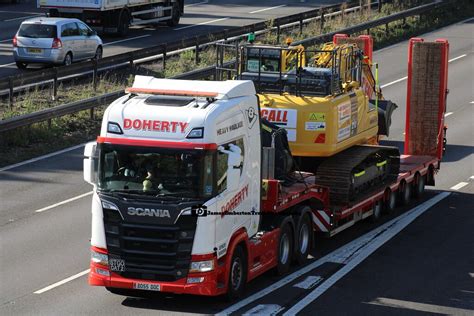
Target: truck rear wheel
(285,248)
(124,24)
(303,237)
(237,274)
(405,193)
(419,186)
(377,212)
(391,202)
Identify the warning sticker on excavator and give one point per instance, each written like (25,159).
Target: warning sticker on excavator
(315,116)
(315,126)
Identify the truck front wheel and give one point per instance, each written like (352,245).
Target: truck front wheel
(303,235)
(237,274)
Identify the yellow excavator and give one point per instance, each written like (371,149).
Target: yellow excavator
(333,112)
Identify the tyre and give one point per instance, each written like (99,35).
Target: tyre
(237,274)
(303,236)
(285,248)
(419,186)
(405,194)
(67,59)
(21,65)
(391,202)
(377,212)
(123,26)
(175,15)
(98,53)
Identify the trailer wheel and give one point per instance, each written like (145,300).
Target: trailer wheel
(175,15)
(303,237)
(285,248)
(405,194)
(237,274)
(390,203)
(419,186)
(377,212)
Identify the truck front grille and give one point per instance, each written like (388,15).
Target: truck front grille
(151,252)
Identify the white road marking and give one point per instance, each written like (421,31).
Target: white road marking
(52,286)
(472,102)
(23,17)
(471,275)
(456,58)
(393,82)
(471,177)
(310,282)
(422,307)
(63,202)
(195,4)
(127,39)
(340,255)
(367,249)
(267,9)
(202,23)
(264,309)
(448,114)
(41,157)
(6,65)
(406,77)
(459,186)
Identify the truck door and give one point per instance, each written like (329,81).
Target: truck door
(234,206)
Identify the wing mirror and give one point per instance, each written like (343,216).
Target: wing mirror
(90,163)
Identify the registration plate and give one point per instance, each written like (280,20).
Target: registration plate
(147,286)
(117,265)
(35,50)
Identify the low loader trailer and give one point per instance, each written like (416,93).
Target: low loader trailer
(186,198)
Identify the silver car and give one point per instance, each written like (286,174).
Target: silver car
(55,41)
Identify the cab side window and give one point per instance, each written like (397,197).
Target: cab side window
(222,164)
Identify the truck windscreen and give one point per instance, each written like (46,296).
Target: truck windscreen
(156,172)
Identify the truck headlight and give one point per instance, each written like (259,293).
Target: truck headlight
(202,266)
(99,258)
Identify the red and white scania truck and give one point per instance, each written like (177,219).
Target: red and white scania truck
(116,16)
(184,199)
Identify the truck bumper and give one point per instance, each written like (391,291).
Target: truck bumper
(209,283)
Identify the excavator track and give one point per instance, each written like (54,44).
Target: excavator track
(357,171)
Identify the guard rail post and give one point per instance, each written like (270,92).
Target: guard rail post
(278,31)
(55,84)
(132,66)
(10,92)
(94,75)
(197,51)
(164,57)
(321,20)
(301,24)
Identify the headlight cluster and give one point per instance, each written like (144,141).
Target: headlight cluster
(99,258)
(202,266)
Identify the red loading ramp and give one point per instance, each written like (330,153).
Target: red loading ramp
(426,97)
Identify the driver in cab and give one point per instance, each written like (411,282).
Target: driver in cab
(151,181)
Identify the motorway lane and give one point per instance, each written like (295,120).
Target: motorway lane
(428,268)
(78,295)
(217,14)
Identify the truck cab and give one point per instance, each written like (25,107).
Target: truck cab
(176,175)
